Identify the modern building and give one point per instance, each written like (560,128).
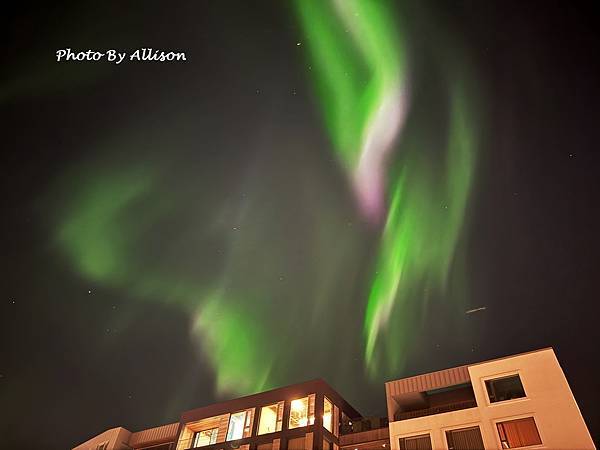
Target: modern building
(518,401)
(302,416)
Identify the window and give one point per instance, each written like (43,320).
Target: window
(465,439)
(205,437)
(302,412)
(236,426)
(102,446)
(505,388)
(421,442)
(271,418)
(518,433)
(328,415)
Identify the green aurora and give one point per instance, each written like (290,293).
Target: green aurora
(353,75)
(227,270)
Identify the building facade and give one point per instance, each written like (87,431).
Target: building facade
(514,402)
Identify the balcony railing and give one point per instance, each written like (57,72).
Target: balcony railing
(436,410)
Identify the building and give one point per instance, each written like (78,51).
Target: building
(297,417)
(517,401)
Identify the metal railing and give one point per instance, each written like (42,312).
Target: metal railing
(436,410)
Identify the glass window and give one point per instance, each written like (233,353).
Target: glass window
(270,418)
(518,433)
(206,437)
(505,388)
(236,426)
(301,412)
(420,442)
(328,415)
(465,439)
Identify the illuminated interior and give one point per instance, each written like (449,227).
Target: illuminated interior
(205,437)
(299,413)
(302,412)
(270,418)
(328,415)
(236,426)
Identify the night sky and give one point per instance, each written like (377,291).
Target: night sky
(321,190)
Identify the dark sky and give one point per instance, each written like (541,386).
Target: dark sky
(168,226)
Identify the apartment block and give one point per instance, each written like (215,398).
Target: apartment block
(514,402)
(302,416)
(521,401)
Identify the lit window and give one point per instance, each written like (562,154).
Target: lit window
(236,426)
(505,388)
(302,412)
(328,415)
(206,437)
(270,418)
(518,433)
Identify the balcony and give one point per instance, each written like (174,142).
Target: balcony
(405,415)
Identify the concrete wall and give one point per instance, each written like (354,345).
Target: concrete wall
(548,400)
(117,439)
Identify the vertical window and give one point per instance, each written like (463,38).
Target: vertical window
(465,439)
(205,437)
(302,412)
(518,433)
(327,414)
(271,418)
(505,388)
(237,423)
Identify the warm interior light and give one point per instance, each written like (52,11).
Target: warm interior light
(299,413)
(298,404)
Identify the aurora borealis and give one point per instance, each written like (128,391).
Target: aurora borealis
(362,68)
(321,190)
(100,231)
